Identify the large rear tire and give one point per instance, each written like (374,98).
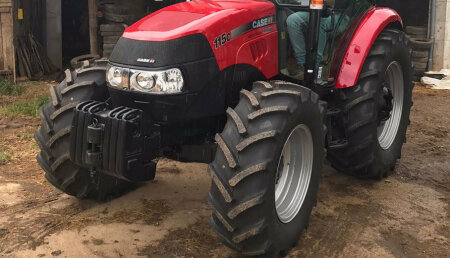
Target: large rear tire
(53,137)
(267,168)
(375,130)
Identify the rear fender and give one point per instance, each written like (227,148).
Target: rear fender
(371,25)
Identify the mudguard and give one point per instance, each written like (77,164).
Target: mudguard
(371,25)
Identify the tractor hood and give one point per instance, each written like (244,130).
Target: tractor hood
(205,17)
(193,31)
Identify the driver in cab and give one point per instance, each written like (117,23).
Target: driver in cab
(297,24)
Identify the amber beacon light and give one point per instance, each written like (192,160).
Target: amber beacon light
(316,4)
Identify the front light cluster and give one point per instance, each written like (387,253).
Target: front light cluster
(167,81)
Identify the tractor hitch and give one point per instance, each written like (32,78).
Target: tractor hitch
(119,142)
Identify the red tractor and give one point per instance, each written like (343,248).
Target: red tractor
(216,82)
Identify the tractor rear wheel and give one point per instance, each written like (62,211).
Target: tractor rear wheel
(377,110)
(266,171)
(53,137)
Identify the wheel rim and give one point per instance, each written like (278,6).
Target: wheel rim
(294,173)
(387,131)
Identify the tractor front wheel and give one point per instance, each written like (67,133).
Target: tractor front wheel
(266,171)
(53,137)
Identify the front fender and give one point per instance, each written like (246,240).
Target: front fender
(371,25)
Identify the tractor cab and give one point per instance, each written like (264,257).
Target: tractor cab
(314,35)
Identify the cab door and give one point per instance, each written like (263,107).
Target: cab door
(337,22)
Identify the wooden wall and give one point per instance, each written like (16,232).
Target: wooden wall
(6,37)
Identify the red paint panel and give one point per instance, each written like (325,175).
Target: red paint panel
(212,19)
(365,35)
(262,53)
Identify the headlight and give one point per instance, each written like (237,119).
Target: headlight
(117,76)
(174,80)
(142,80)
(163,82)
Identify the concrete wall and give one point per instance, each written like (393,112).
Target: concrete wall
(441,58)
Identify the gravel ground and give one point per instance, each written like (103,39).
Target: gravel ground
(406,215)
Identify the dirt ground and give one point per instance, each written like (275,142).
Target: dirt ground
(406,215)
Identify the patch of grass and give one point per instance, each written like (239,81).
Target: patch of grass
(27,136)
(9,88)
(30,108)
(4,156)
(34,146)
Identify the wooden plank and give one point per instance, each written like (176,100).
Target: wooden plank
(13,49)
(7,40)
(5,13)
(2,57)
(93,24)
